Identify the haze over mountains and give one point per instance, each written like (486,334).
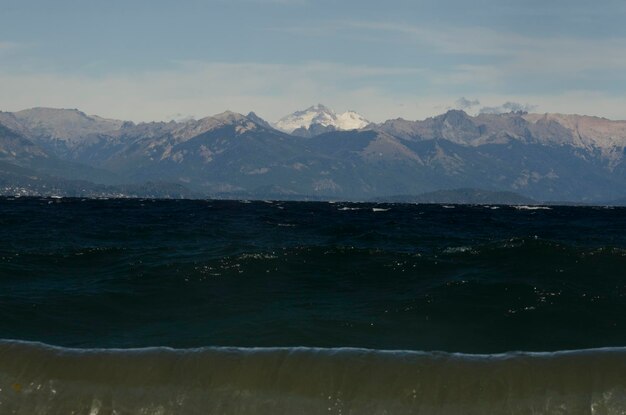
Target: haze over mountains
(315,153)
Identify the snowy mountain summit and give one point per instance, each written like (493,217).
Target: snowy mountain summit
(320,118)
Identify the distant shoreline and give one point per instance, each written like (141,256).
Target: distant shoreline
(303,200)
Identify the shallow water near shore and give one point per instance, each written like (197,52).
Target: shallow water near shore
(294,307)
(40,379)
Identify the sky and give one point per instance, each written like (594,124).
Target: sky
(145,60)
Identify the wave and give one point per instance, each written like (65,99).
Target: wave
(525,207)
(37,378)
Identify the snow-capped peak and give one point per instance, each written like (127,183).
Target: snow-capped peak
(351,120)
(321,115)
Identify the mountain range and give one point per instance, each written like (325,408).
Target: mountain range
(316,153)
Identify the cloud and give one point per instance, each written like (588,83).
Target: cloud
(488,58)
(444,39)
(559,51)
(8,46)
(464,103)
(508,107)
(273,90)
(284,2)
(202,88)
(278,2)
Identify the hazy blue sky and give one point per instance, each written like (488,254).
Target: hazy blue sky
(144,60)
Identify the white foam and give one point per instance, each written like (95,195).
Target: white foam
(524,207)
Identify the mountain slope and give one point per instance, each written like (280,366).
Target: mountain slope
(548,157)
(15,147)
(69,125)
(20,151)
(21,181)
(59,131)
(225,152)
(583,132)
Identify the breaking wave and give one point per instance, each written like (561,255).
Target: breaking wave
(38,379)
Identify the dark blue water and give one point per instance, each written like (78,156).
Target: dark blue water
(305,308)
(472,279)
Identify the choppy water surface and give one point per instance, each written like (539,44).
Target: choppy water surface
(283,288)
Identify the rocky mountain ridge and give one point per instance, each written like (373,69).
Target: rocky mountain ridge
(551,129)
(542,156)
